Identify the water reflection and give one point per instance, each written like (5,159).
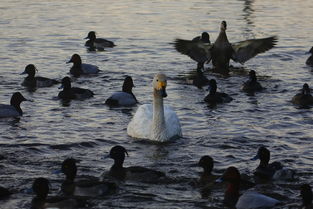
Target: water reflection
(247,13)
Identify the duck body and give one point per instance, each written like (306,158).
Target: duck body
(249,199)
(215,97)
(80,68)
(221,51)
(133,173)
(252,85)
(14,109)
(33,81)
(304,98)
(97,43)
(69,92)
(155,122)
(85,186)
(309,61)
(42,201)
(124,97)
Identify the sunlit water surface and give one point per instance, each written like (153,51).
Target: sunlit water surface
(47,33)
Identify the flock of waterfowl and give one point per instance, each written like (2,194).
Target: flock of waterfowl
(159,122)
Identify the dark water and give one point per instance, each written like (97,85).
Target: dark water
(47,33)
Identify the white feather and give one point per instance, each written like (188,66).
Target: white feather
(253,199)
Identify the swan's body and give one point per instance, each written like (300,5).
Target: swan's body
(155,122)
(253,199)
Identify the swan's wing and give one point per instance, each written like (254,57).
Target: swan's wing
(121,98)
(140,125)
(245,50)
(89,69)
(172,122)
(196,50)
(8,111)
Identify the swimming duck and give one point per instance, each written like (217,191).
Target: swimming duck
(14,109)
(38,81)
(306,194)
(97,43)
(273,170)
(133,173)
(42,201)
(309,61)
(222,51)
(249,199)
(86,186)
(80,68)
(215,97)
(304,98)
(155,122)
(124,97)
(70,92)
(206,162)
(199,79)
(252,85)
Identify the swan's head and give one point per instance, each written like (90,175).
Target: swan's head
(223,25)
(159,84)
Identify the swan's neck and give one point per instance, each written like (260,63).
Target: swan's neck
(158,123)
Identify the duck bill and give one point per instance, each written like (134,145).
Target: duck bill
(163,92)
(69,61)
(219,180)
(255,157)
(23,73)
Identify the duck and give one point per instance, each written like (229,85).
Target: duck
(195,50)
(206,162)
(80,68)
(132,173)
(14,108)
(199,79)
(97,43)
(268,171)
(124,97)
(309,61)
(155,122)
(70,92)
(250,199)
(38,81)
(41,200)
(215,97)
(304,98)
(221,51)
(252,85)
(85,186)
(306,194)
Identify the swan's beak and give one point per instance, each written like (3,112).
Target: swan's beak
(163,92)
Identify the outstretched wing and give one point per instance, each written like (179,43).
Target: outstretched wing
(196,50)
(245,50)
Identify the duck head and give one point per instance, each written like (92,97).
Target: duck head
(205,37)
(212,86)
(17,98)
(75,59)
(128,84)
(91,35)
(306,89)
(306,194)
(159,84)
(30,70)
(252,75)
(41,187)
(206,162)
(66,83)
(263,155)
(69,168)
(223,25)
(117,153)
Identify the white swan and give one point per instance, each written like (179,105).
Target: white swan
(155,122)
